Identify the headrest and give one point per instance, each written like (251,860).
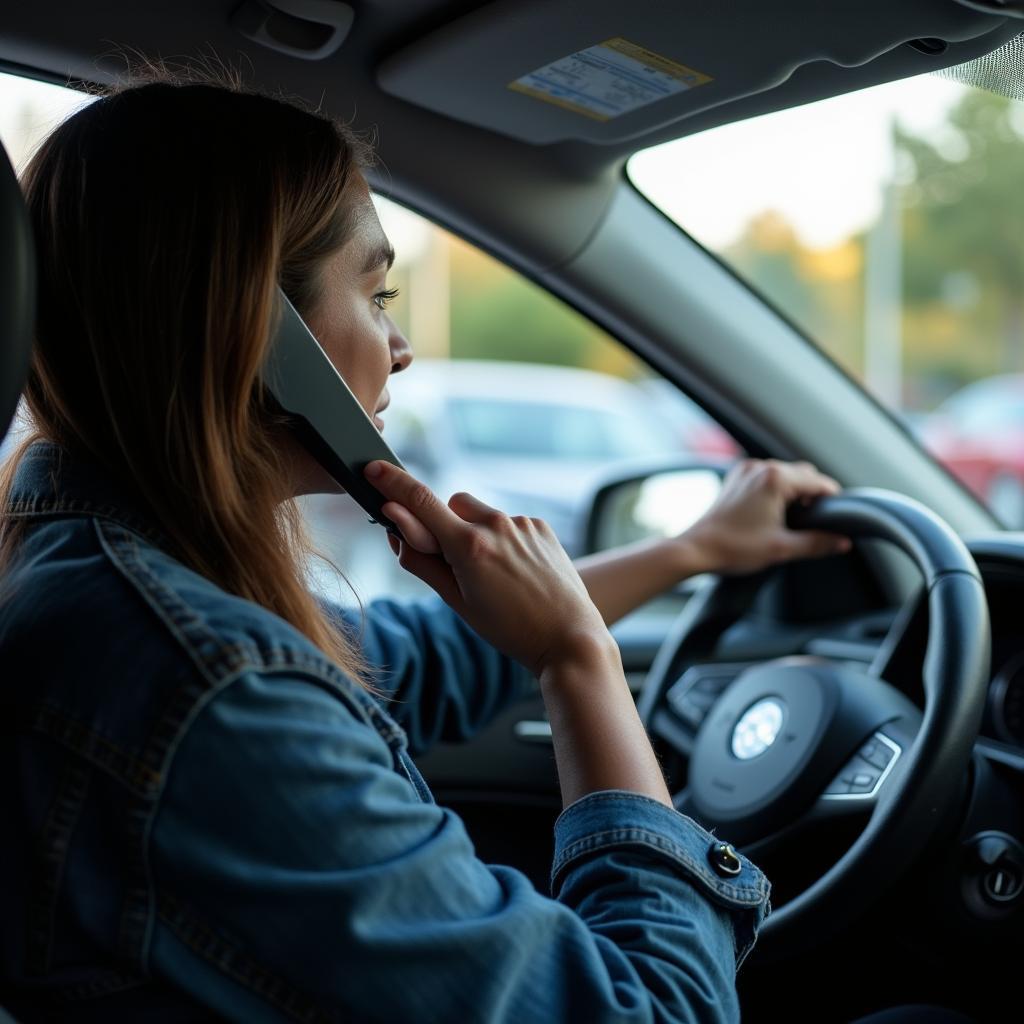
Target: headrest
(17,292)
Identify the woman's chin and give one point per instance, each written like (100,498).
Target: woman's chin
(308,476)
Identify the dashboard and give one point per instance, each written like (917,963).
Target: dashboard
(1000,559)
(1004,586)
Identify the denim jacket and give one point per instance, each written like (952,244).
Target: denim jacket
(204,818)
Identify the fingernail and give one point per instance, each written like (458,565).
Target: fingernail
(374,469)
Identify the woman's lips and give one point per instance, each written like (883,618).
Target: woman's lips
(377,421)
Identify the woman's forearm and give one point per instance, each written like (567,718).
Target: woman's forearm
(621,580)
(598,739)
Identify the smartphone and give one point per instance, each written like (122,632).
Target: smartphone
(326,416)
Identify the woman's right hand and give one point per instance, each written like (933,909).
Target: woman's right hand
(507,576)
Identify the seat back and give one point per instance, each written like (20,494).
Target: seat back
(17,308)
(17,292)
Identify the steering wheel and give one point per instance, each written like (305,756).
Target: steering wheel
(807,740)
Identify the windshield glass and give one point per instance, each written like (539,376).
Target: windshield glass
(889,225)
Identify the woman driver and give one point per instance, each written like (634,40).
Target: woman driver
(209,801)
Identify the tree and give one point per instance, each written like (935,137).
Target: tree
(819,289)
(497,314)
(964,221)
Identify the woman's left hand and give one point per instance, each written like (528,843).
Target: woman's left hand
(745,529)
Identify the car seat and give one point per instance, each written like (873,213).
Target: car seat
(17,315)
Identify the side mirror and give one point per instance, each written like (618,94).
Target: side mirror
(658,502)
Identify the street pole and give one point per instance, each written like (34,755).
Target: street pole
(883,302)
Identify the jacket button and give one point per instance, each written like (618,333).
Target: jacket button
(725,860)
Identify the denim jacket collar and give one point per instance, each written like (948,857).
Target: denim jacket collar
(50,482)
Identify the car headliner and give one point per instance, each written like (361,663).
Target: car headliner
(459,57)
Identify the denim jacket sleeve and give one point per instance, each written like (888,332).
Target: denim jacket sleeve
(297,875)
(444,682)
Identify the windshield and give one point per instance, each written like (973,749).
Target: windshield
(889,225)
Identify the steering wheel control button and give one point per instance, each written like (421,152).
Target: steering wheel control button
(758,728)
(709,684)
(862,776)
(863,782)
(837,787)
(876,753)
(693,696)
(692,707)
(724,860)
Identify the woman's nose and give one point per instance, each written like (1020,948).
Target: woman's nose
(401,350)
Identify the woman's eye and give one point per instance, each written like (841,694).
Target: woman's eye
(382,299)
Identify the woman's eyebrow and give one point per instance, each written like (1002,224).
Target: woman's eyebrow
(380,253)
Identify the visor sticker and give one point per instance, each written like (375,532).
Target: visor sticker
(607,80)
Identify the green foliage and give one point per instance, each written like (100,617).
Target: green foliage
(507,317)
(964,232)
(498,314)
(820,291)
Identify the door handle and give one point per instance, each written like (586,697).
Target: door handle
(533,731)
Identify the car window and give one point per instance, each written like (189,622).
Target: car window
(888,225)
(512,395)
(28,111)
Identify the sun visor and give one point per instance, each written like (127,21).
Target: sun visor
(605,71)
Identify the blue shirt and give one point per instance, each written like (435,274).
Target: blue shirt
(204,816)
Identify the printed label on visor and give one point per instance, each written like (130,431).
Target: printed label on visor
(608,80)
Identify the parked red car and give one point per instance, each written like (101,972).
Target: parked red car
(978,433)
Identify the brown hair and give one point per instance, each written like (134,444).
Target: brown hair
(165,214)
